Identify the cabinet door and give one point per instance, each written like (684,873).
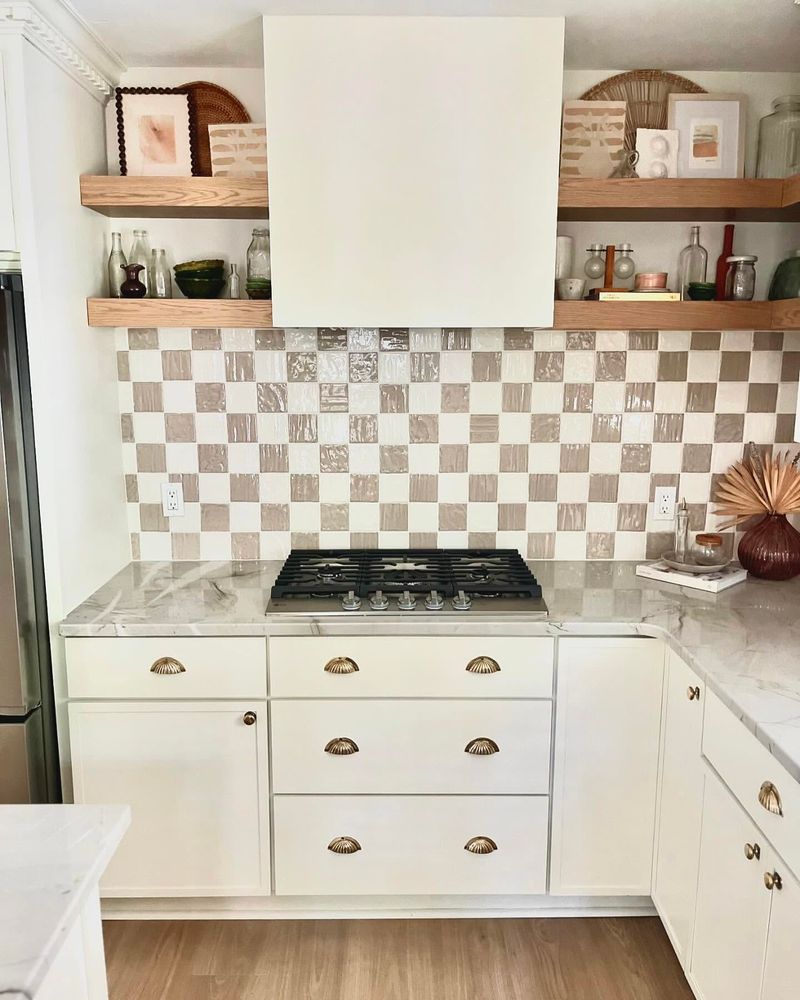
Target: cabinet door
(194,775)
(8,239)
(680,803)
(730,929)
(608,710)
(780,970)
(413,169)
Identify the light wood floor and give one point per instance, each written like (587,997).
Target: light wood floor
(503,959)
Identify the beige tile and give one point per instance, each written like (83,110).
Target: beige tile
(512,516)
(729,427)
(578,397)
(701,397)
(126,427)
(698,512)
(455,398)
(574,458)
(762,397)
(394,516)
(486,366)
(658,543)
(176,365)
(423,428)
(452,517)
(610,366)
(215,517)
(179,427)
(363,539)
(635,458)
(392,339)
(484,428)
(136,546)
(206,340)
(334,516)
(142,340)
(545,427)
(185,545)
(334,458)
(643,340)
(453,457)
(631,516)
(600,545)
(305,539)
(274,517)
(393,458)
(516,397)
(333,397)
(304,487)
(517,339)
(148,397)
(363,489)
(603,487)
(273,457)
(151,458)
(245,545)
(640,397)
(425,366)
(706,340)
(363,366)
(790,366)
(784,428)
(668,427)
(734,366)
(394,398)
(270,340)
(581,340)
(332,338)
(541,545)
(548,366)
(571,517)
(607,427)
(483,488)
(123,366)
(513,458)
(273,397)
(131,488)
(768,340)
(151,517)
(482,540)
(244,487)
(456,338)
(243,427)
(240,366)
(423,488)
(209,397)
(301,366)
(190,482)
(423,540)
(363,428)
(663,479)
(302,427)
(212,457)
(542,486)
(672,366)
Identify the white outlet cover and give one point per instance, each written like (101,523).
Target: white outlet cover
(664,502)
(172,499)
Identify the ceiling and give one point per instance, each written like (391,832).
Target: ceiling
(743,35)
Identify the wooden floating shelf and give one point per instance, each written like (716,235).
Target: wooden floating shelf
(786,314)
(179,312)
(791,191)
(176,197)
(677,315)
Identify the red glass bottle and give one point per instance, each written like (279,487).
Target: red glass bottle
(722,263)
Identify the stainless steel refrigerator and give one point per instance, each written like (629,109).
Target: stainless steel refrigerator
(28,746)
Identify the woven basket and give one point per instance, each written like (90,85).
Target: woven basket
(646,92)
(213,105)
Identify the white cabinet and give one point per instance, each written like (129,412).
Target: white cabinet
(195,777)
(413,169)
(680,802)
(8,238)
(608,709)
(780,968)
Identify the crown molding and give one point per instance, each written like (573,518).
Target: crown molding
(96,72)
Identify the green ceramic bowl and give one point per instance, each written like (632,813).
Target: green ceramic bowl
(702,291)
(200,288)
(191,267)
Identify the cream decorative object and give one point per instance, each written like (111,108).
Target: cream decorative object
(341,665)
(483,665)
(480,845)
(167,665)
(238,150)
(342,746)
(592,138)
(344,845)
(658,152)
(769,797)
(482,747)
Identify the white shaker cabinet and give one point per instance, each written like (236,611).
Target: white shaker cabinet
(195,777)
(8,237)
(413,169)
(680,802)
(780,968)
(608,709)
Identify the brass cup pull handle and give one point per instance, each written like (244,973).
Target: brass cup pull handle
(770,799)
(482,747)
(167,665)
(480,845)
(249,718)
(342,746)
(341,665)
(772,880)
(693,693)
(752,851)
(483,665)
(344,845)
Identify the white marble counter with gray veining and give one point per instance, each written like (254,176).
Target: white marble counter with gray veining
(51,859)
(745,642)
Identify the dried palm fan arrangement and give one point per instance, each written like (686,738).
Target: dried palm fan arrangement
(756,485)
(645,91)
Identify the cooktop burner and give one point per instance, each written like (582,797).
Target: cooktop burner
(366,579)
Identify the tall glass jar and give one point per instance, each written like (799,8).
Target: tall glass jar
(140,254)
(779,139)
(259,273)
(740,281)
(116,262)
(160,277)
(692,263)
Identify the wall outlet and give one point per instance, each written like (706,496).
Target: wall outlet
(172,499)
(664,503)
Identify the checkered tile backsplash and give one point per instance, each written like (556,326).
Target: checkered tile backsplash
(550,442)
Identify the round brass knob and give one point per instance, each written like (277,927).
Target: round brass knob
(482,747)
(167,665)
(752,851)
(772,880)
(693,693)
(770,799)
(344,845)
(249,718)
(342,746)
(483,665)
(341,665)
(480,845)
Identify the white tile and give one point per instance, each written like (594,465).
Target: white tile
(611,340)
(570,545)
(731,397)
(634,487)
(515,428)
(670,397)
(270,366)
(157,546)
(698,428)
(333,428)
(579,366)
(145,366)
(245,516)
(455,366)
(274,487)
(485,397)
(423,458)
(517,366)
(695,487)
(609,397)
(453,487)
(454,428)
(703,366)
(303,397)
(675,340)
(175,338)
(393,487)
(125,396)
(723,456)
(303,458)
(362,338)
(334,540)
(301,339)
(787,398)
(487,339)
(666,458)
(182,457)
(423,517)
(238,339)
(759,427)
(453,539)
(393,428)
(179,397)
(424,338)
(483,458)
(424,397)
(549,340)
(393,539)
(765,366)
(482,517)
(150,486)
(637,427)
(207,366)
(544,457)
(605,457)
(214,488)
(134,522)
(240,397)
(737,340)
(364,398)
(364,459)
(573,487)
(365,517)
(129,458)
(304,517)
(576,428)
(332,366)
(275,544)
(512,487)
(334,487)
(149,428)
(601,517)
(512,540)
(243,457)
(190,521)
(547,397)
(642,366)
(394,367)
(630,545)
(273,428)
(212,428)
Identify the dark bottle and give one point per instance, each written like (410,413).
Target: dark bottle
(131,287)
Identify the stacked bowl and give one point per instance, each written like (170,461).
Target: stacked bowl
(200,279)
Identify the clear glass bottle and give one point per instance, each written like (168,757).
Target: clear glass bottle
(740,281)
(681,532)
(259,274)
(779,139)
(140,254)
(233,282)
(692,263)
(595,266)
(116,262)
(160,277)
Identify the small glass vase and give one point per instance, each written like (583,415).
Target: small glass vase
(771,549)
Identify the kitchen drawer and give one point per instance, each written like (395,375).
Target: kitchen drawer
(411,746)
(123,668)
(411,666)
(745,765)
(409,844)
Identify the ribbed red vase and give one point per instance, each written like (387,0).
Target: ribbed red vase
(771,549)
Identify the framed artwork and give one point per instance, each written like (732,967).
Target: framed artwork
(711,133)
(238,150)
(592,138)
(155,133)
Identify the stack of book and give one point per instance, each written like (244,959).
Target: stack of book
(630,295)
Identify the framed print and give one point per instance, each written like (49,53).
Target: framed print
(238,150)
(711,133)
(592,138)
(155,133)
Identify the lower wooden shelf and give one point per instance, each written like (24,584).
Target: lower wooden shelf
(179,312)
(663,316)
(786,314)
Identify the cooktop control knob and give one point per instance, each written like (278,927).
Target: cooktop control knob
(379,601)
(350,602)
(433,602)
(461,602)
(406,601)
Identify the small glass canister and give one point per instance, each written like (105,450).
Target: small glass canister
(259,272)
(740,280)
(707,550)
(779,139)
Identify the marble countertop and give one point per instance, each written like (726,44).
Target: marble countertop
(51,858)
(744,642)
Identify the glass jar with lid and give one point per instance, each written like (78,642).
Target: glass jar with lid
(740,280)
(259,272)
(707,550)
(779,139)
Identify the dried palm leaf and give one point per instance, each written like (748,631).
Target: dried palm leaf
(768,484)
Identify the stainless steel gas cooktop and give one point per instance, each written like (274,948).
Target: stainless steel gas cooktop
(406,581)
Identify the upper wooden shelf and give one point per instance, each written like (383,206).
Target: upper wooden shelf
(179,312)
(176,197)
(582,198)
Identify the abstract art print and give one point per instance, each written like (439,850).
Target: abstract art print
(238,150)
(711,134)
(154,132)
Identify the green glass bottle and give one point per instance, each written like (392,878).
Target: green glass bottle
(785,282)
